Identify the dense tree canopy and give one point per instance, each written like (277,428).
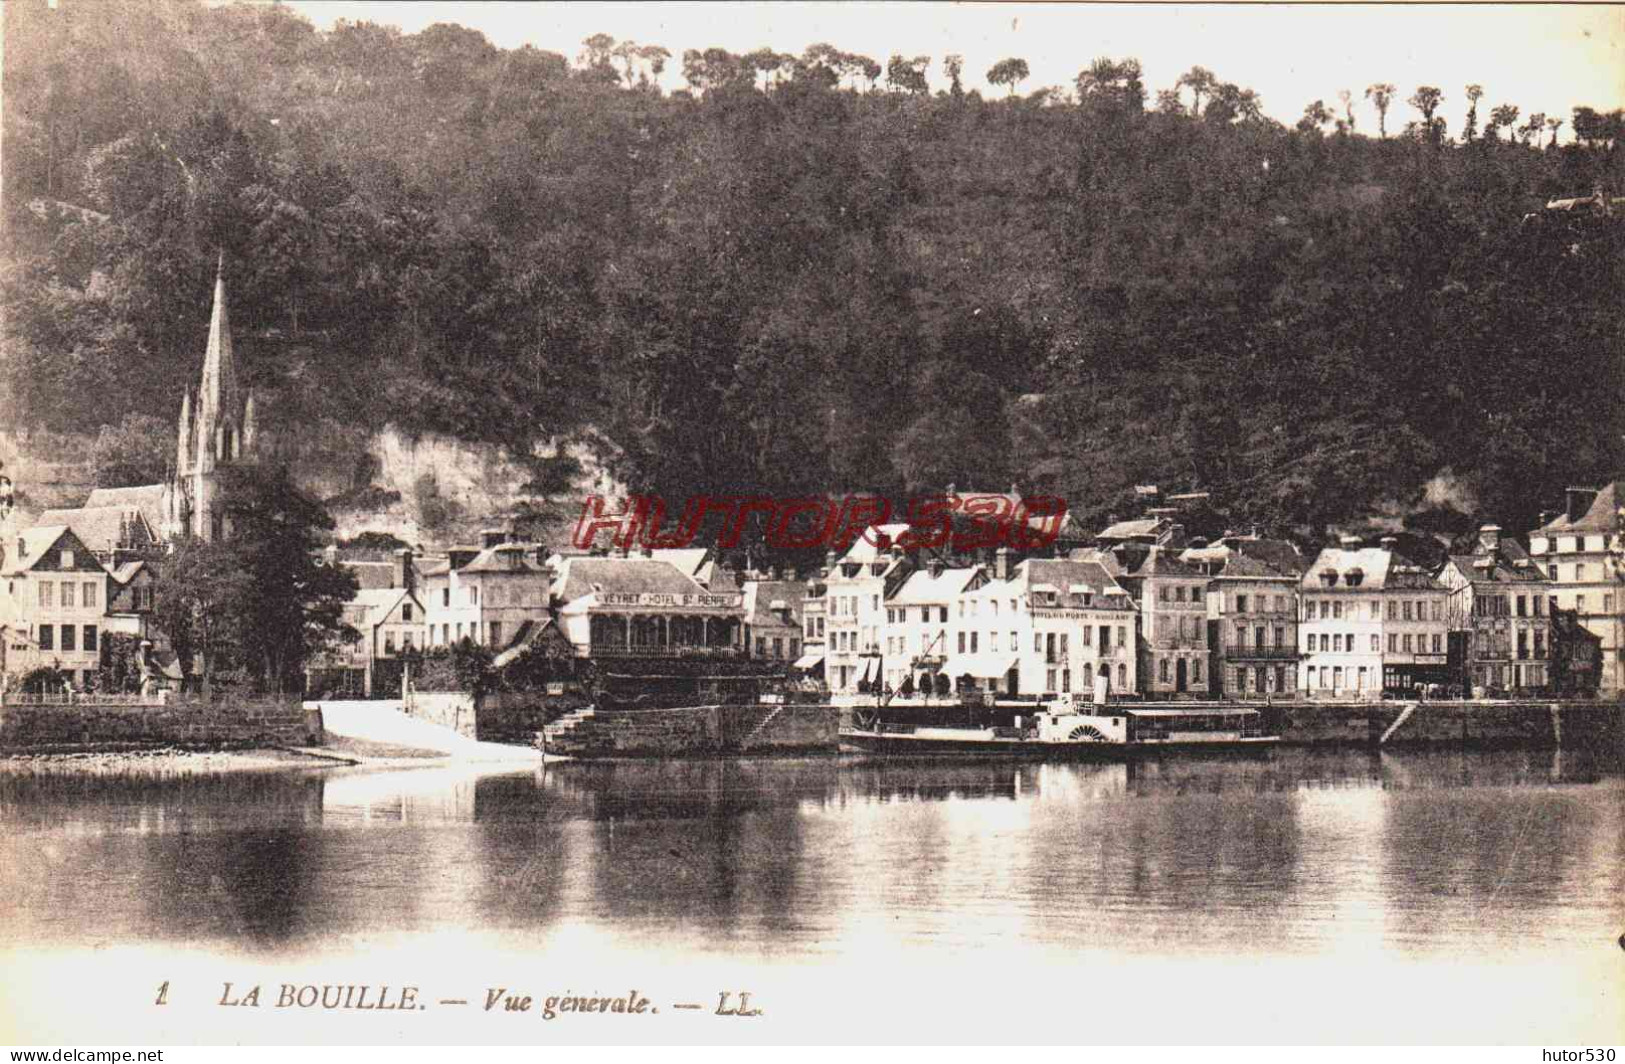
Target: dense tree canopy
(797,274)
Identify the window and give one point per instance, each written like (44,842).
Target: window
(1162,670)
(1405,609)
(1196,667)
(1436,642)
(87,595)
(389,644)
(1407,642)
(1162,593)
(961,642)
(46,593)
(1241,603)
(1241,636)
(406,612)
(67,636)
(1337,610)
(1337,642)
(993,640)
(1309,610)
(942,615)
(1579,603)
(1015,645)
(1066,681)
(473,596)
(973,642)
(47,637)
(1337,676)
(1540,643)
(1608,604)
(445,597)
(1376,610)
(1049,679)
(1325,643)
(67,559)
(89,642)
(1523,606)
(1393,643)
(496,633)
(778,646)
(1579,571)
(795,647)
(459,630)
(1539,604)
(67,595)
(1179,593)
(1438,610)
(1280,636)
(1309,643)
(1393,610)
(1551,570)
(406,640)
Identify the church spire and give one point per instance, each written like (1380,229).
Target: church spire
(217,394)
(183,440)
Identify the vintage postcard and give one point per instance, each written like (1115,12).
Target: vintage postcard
(811,523)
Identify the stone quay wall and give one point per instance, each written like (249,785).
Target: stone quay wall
(703,731)
(1537,724)
(504,717)
(111,726)
(449,709)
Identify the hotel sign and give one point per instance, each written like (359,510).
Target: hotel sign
(662,600)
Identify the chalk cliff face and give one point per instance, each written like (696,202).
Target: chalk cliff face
(433,490)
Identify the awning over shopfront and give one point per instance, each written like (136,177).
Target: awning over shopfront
(809,661)
(871,667)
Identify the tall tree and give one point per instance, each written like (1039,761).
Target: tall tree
(1009,73)
(1469,129)
(292,605)
(1381,95)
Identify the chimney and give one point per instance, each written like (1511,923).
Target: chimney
(1001,563)
(1578,501)
(1546,518)
(404,575)
(794,576)
(1489,539)
(937,567)
(492,537)
(1348,541)
(1389,542)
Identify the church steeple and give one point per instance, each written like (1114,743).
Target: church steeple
(217,424)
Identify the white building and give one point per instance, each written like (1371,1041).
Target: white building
(54,598)
(1583,554)
(1371,618)
(854,607)
(918,628)
(486,594)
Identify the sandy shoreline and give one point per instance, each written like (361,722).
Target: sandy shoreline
(338,752)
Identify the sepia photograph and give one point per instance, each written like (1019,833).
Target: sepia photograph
(532,523)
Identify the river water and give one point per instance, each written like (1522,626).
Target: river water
(1298,895)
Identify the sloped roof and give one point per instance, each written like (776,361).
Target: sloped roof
(1162,561)
(1144,526)
(98,527)
(148,498)
(761,594)
(36,542)
(1246,556)
(370,575)
(631,576)
(866,549)
(924,588)
(688,560)
(126,572)
(1505,569)
(1064,574)
(1377,565)
(529,633)
(506,558)
(1602,516)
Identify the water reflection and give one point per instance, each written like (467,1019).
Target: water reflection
(1292,852)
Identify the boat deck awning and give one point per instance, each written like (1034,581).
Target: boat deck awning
(1193,711)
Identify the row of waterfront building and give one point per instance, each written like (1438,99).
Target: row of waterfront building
(1139,604)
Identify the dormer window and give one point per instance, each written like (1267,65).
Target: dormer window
(1328,577)
(1354,577)
(67,559)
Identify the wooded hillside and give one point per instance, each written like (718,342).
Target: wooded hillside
(803,275)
